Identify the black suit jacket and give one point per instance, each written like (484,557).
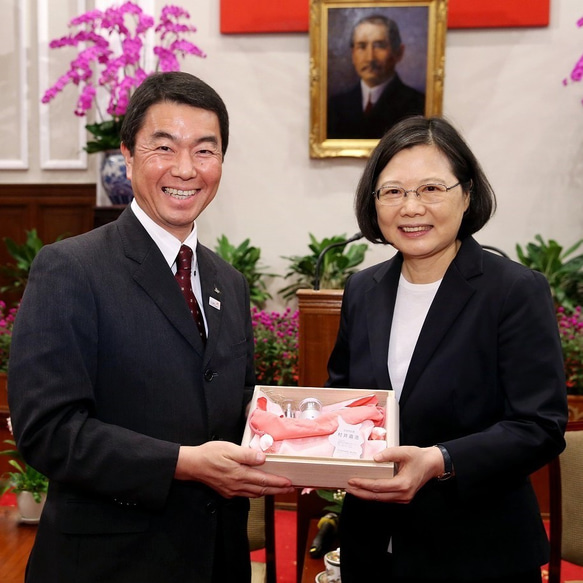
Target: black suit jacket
(108,376)
(346,120)
(486,380)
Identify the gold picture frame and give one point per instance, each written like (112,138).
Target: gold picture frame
(336,128)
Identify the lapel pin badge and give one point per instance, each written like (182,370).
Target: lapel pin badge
(214,303)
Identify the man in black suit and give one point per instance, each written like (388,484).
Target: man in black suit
(117,395)
(381,98)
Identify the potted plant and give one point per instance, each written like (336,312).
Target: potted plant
(17,273)
(338,264)
(23,256)
(564,272)
(29,485)
(114,43)
(245,258)
(276,346)
(7,317)
(571,332)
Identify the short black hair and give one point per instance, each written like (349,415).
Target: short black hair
(393,32)
(173,87)
(436,131)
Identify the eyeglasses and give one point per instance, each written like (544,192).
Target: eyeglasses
(426,193)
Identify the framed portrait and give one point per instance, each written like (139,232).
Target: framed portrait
(372,63)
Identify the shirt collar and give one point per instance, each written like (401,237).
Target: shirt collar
(168,244)
(374,92)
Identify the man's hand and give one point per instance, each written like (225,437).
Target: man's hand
(228,469)
(416,467)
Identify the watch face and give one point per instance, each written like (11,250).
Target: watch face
(445,476)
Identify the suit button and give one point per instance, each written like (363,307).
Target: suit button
(211,507)
(209,375)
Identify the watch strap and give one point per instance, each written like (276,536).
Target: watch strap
(448,471)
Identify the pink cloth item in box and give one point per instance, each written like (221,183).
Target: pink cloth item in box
(276,434)
(262,421)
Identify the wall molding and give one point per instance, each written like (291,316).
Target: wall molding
(21,163)
(47,162)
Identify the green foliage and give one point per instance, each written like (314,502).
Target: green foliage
(337,265)
(334,497)
(563,272)
(24,255)
(245,258)
(106,134)
(25,478)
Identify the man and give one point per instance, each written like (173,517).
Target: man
(381,99)
(117,396)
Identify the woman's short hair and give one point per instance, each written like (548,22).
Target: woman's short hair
(435,131)
(173,87)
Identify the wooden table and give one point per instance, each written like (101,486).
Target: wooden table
(16,540)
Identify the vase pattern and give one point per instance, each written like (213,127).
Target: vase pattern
(113,177)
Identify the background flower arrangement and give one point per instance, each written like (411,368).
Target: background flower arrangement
(571,331)
(564,272)
(276,346)
(113,45)
(7,316)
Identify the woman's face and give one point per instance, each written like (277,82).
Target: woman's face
(419,230)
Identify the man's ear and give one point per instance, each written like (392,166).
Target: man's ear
(128,159)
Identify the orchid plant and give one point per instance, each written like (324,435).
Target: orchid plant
(113,43)
(577,72)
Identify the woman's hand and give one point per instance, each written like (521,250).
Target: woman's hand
(416,466)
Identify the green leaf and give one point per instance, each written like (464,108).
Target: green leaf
(245,258)
(23,255)
(336,267)
(563,272)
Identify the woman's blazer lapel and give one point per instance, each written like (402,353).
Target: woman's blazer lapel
(380,304)
(454,293)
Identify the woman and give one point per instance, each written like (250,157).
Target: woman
(468,341)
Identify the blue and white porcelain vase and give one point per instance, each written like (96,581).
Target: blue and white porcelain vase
(113,178)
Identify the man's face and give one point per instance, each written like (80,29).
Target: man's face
(372,56)
(176,166)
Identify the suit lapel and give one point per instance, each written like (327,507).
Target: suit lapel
(451,298)
(212,296)
(150,271)
(380,304)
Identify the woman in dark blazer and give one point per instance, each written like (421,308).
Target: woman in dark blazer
(469,343)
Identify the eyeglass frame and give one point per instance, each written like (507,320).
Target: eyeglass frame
(375,193)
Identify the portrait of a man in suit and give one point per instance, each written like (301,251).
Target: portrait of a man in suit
(380,97)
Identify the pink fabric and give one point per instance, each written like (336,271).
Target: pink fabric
(262,421)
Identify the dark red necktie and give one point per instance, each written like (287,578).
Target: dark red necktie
(368,107)
(183,270)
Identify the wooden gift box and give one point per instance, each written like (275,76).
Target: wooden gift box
(326,472)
